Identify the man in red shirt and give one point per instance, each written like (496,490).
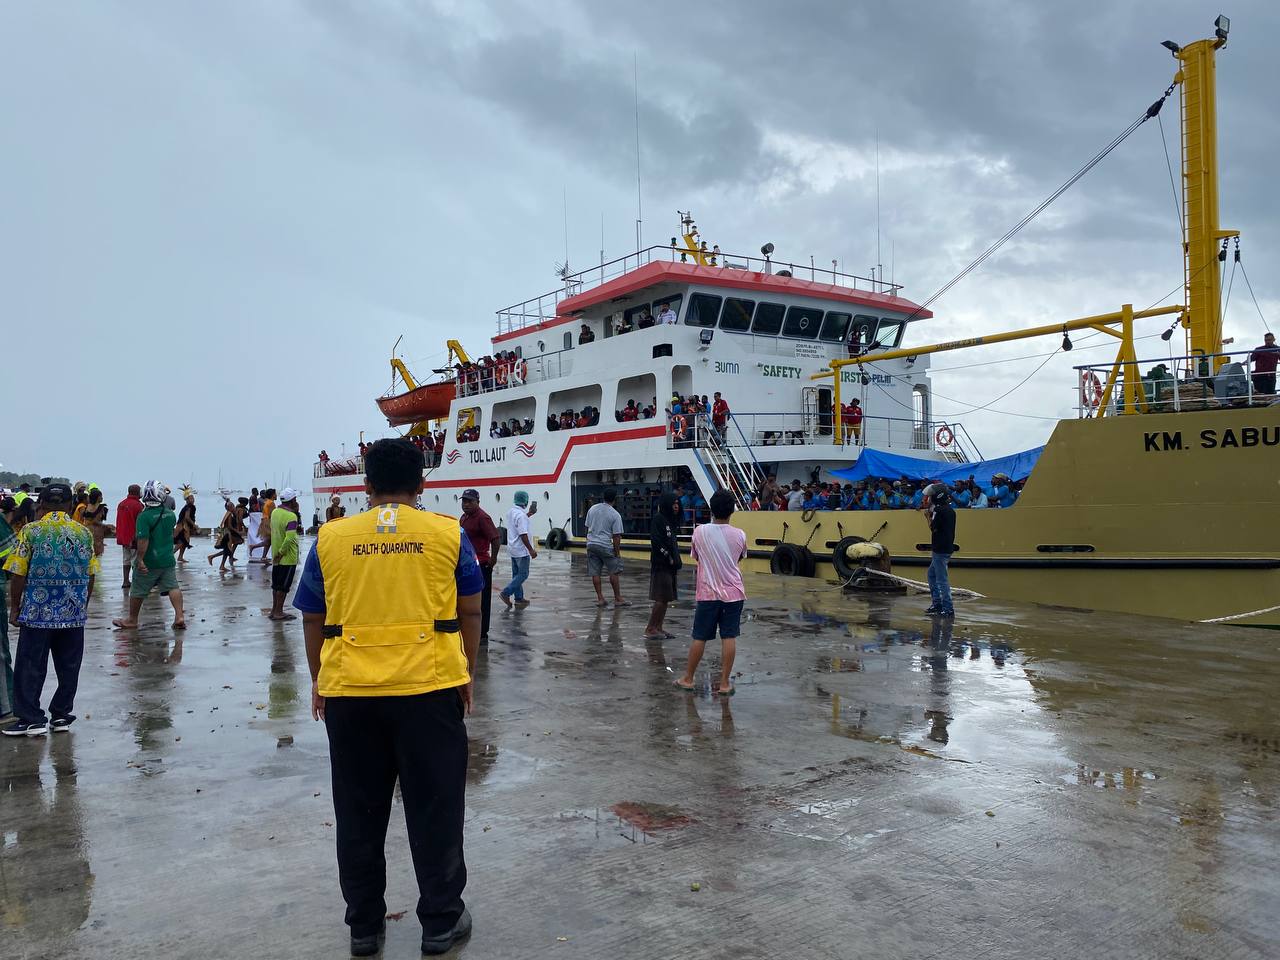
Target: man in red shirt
(851,419)
(719,414)
(1264,365)
(485,541)
(127,511)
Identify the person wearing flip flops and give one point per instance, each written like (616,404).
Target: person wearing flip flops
(718,549)
(604,548)
(154,567)
(51,573)
(664,564)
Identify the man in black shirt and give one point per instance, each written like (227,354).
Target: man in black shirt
(943,526)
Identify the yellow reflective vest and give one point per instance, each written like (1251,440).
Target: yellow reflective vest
(391,597)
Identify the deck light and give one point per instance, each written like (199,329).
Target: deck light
(1066,340)
(767,249)
(1221,27)
(1170,46)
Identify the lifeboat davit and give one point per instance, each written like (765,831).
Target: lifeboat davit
(428,402)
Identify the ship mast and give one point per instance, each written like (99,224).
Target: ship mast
(1203,239)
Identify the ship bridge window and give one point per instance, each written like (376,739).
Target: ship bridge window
(862,333)
(737,314)
(636,318)
(834,326)
(703,311)
(890,332)
(768,319)
(802,322)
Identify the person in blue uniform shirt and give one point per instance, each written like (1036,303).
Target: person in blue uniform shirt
(1001,492)
(960,496)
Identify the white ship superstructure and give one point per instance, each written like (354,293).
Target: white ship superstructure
(752,329)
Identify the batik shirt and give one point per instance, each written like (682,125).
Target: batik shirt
(56,556)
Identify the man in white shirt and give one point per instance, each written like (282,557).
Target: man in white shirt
(520,549)
(604,547)
(666,315)
(795,499)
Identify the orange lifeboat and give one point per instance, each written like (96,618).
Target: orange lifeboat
(428,402)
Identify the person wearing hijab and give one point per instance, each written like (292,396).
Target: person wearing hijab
(664,564)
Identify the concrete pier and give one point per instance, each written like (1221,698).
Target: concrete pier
(1031,782)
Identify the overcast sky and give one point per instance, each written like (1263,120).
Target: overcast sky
(218,218)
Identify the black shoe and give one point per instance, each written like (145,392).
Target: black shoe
(368,946)
(61,724)
(443,942)
(932,608)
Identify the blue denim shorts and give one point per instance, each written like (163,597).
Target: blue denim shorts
(710,614)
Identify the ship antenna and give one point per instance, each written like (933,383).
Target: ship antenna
(879,261)
(566,231)
(635,68)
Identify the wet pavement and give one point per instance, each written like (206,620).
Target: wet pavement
(1032,782)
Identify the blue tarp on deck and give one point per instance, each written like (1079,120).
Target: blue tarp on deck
(877,463)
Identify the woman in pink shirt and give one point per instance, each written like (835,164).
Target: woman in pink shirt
(717,547)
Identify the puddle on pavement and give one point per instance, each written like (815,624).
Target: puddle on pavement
(1126,778)
(610,826)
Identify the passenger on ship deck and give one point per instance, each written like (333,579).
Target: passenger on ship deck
(1264,360)
(720,414)
(960,496)
(624,325)
(586,336)
(978,500)
(1001,494)
(645,321)
(666,314)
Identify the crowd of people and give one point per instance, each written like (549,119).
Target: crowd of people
(633,411)
(686,413)
(883,493)
(497,372)
(513,427)
(588,416)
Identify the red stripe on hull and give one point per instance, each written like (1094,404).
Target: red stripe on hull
(637,433)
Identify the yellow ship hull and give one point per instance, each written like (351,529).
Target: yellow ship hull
(1167,515)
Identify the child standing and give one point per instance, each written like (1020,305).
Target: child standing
(717,548)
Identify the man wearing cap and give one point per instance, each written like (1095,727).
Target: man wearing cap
(51,573)
(154,567)
(284,547)
(485,541)
(390,602)
(520,548)
(335,510)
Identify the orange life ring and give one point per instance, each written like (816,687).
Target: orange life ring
(944,437)
(678,432)
(523,372)
(1090,390)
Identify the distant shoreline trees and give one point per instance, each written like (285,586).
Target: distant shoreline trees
(9,478)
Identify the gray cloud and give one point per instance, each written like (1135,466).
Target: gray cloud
(229,219)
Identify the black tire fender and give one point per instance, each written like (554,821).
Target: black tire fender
(557,539)
(787,560)
(843,566)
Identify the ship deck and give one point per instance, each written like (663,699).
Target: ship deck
(1034,782)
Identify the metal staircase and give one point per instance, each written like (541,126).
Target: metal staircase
(742,477)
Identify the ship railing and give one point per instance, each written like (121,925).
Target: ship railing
(520,316)
(340,467)
(530,369)
(756,431)
(1172,384)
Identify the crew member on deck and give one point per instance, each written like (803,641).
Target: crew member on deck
(391,615)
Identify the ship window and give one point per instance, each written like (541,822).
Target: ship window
(802,322)
(512,418)
(637,396)
(835,326)
(468,425)
(737,314)
(568,341)
(575,408)
(768,319)
(703,310)
(890,332)
(637,317)
(672,302)
(863,332)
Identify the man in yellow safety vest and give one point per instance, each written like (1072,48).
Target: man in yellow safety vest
(391,614)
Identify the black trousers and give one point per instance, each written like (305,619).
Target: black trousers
(31,666)
(486,600)
(422,741)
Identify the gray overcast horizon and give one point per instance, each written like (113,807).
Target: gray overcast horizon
(218,219)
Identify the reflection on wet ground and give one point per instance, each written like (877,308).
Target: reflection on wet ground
(1022,782)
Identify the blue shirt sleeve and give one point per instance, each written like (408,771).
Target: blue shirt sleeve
(468,576)
(309,597)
